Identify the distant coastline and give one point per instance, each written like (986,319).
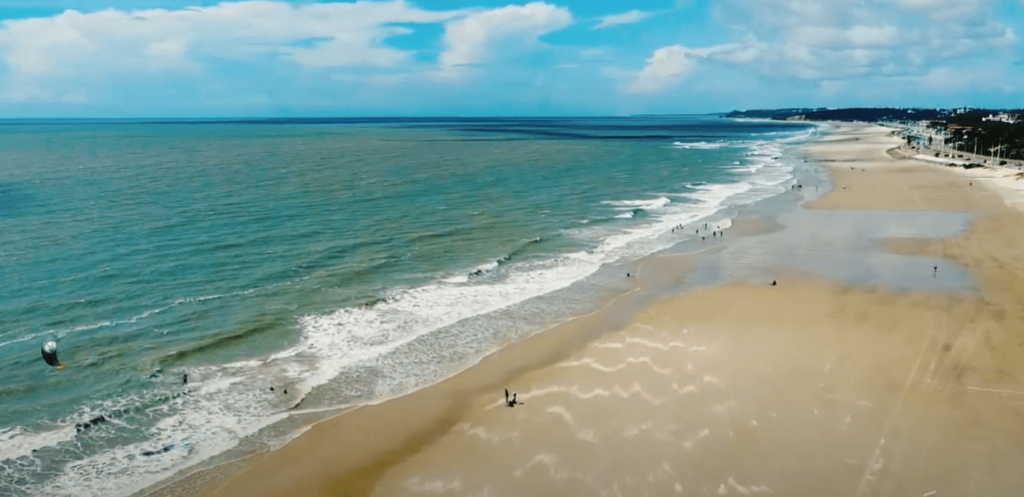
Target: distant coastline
(996,133)
(864,114)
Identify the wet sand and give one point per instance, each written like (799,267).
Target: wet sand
(862,373)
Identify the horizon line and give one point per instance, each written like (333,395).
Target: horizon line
(369,118)
(8,120)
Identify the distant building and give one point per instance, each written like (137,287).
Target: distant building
(1003,117)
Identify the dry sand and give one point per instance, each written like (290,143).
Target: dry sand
(865,177)
(808,388)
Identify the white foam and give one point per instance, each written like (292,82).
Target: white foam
(17,441)
(646,205)
(488,266)
(215,417)
(624,215)
(349,336)
(463,276)
(459,278)
(715,194)
(700,145)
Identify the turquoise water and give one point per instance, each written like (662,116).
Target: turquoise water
(305,255)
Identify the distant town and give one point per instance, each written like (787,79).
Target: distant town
(988,135)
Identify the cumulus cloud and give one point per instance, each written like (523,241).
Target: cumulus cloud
(631,17)
(318,35)
(670,64)
(666,66)
(468,40)
(76,46)
(854,36)
(836,40)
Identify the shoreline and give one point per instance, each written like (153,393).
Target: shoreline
(313,465)
(556,341)
(184,482)
(254,447)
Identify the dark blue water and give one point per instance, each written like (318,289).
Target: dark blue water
(289,252)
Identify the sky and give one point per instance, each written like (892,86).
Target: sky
(173,58)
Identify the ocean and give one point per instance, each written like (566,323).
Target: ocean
(301,265)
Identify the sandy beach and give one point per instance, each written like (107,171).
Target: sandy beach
(864,372)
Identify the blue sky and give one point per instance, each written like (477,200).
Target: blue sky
(171,58)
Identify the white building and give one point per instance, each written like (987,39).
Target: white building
(1003,117)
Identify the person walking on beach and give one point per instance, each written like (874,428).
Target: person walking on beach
(513,402)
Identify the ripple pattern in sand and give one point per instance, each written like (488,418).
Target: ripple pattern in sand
(593,424)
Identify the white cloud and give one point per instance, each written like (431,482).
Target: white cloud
(104,45)
(857,36)
(314,35)
(630,17)
(944,9)
(836,40)
(666,66)
(670,64)
(470,40)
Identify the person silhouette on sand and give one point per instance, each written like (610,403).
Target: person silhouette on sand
(513,402)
